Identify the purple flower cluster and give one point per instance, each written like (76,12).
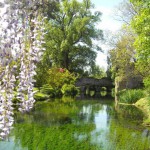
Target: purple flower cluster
(6,96)
(21,38)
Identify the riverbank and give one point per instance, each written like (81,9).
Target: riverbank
(144,105)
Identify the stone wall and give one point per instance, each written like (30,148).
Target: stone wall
(129,83)
(104,82)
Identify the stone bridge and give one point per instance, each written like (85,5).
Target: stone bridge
(96,86)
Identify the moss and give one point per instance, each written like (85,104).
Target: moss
(144,105)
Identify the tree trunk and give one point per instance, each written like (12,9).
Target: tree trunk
(66,60)
(116,90)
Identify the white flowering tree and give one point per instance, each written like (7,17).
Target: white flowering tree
(21,39)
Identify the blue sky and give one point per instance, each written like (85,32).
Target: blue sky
(106,3)
(108,23)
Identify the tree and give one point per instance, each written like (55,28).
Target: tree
(97,72)
(141,25)
(125,11)
(70,34)
(123,64)
(122,56)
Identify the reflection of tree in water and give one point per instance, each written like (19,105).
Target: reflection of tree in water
(67,136)
(57,126)
(44,119)
(125,113)
(51,113)
(130,112)
(60,113)
(87,112)
(125,130)
(110,111)
(123,136)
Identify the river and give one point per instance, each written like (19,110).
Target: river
(79,125)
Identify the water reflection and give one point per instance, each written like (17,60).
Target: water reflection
(83,125)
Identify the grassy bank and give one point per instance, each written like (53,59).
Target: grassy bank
(130,96)
(144,105)
(139,98)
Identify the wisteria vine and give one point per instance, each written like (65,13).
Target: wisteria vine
(21,39)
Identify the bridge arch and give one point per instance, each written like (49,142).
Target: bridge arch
(88,84)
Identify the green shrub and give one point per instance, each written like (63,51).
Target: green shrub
(57,81)
(147,82)
(147,85)
(40,96)
(15,101)
(113,92)
(47,89)
(69,90)
(58,77)
(147,91)
(131,96)
(57,93)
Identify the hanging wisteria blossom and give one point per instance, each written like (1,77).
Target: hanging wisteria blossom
(21,38)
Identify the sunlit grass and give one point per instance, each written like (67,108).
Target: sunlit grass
(131,96)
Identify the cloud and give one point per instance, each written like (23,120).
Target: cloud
(107,23)
(101,60)
(103,10)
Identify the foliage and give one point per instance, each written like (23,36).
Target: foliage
(59,76)
(55,137)
(122,61)
(67,99)
(78,125)
(49,7)
(57,108)
(122,56)
(59,82)
(131,96)
(144,105)
(140,24)
(125,12)
(69,90)
(41,74)
(147,85)
(50,91)
(121,137)
(70,34)
(50,126)
(147,82)
(47,89)
(113,92)
(123,134)
(40,96)
(97,72)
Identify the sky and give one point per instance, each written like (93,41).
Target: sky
(108,22)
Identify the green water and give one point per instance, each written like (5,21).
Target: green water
(79,125)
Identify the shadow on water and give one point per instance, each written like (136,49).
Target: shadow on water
(83,125)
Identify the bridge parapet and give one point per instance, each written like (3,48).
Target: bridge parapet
(91,84)
(103,82)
